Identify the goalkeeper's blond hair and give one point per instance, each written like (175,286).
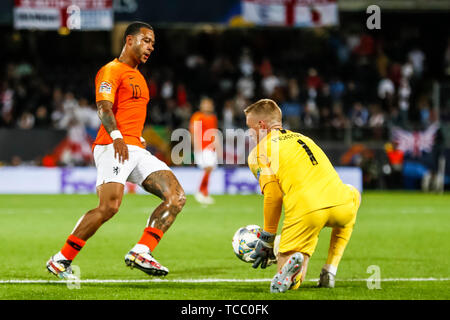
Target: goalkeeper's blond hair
(267,109)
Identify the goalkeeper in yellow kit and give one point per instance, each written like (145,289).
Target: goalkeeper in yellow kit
(293,171)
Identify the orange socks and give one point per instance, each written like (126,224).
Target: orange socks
(151,237)
(204,184)
(72,246)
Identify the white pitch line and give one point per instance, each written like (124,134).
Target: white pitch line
(27,281)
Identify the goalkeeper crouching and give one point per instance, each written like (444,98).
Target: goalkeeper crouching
(293,171)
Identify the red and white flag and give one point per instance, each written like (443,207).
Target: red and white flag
(415,142)
(84,15)
(298,13)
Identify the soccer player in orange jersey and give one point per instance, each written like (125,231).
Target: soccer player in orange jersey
(203,127)
(119,151)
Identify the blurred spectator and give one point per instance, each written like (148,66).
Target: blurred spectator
(366,46)
(417,58)
(183,113)
(87,116)
(240,103)
(395,73)
(269,83)
(339,120)
(337,89)
(360,115)
(42,118)
(265,69)
(407,71)
(26,121)
(313,80)
(352,94)
(353,41)
(377,117)
(16,161)
(291,108)
(69,103)
(424,111)
(57,108)
(386,91)
(325,117)
(228,115)
(393,170)
(167,89)
(246,86)
(246,63)
(181,95)
(404,92)
(6,103)
(324,99)
(310,115)
(23,69)
(382,62)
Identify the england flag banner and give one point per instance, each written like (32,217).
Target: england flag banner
(84,15)
(297,13)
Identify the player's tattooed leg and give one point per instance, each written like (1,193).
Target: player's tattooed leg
(165,185)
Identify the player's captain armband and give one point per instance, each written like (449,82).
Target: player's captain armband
(105,87)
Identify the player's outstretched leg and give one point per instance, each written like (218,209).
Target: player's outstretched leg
(110,196)
(165,185)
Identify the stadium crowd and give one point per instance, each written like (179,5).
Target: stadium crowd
(354,81)
(341,79)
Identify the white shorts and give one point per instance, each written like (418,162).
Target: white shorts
(136,169)
(206,158)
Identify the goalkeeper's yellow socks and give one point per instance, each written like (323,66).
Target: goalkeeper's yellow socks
(338,242)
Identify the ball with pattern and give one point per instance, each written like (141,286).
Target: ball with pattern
(242,238)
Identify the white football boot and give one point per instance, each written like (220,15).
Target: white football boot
(145,262)
(326,279)
(61,268)
(285,278)
(202,199)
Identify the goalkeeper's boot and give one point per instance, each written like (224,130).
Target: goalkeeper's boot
(326,279)
(144,261)
(61,268)
(297,282)
(286,278)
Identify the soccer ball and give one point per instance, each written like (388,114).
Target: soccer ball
(242,238)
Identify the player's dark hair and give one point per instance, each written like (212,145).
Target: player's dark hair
(134,28)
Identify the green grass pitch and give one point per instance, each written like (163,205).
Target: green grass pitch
(405,234)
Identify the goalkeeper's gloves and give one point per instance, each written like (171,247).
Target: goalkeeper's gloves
(263,250)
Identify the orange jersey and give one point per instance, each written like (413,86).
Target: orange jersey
(127,89)
(199,124)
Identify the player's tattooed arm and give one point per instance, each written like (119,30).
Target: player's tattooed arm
(106,115)
(104,110)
